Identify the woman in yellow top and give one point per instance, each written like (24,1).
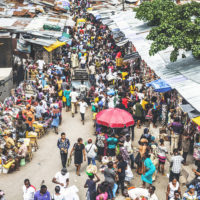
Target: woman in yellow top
(124,74)
(144,103)
(59,83)
(132,88)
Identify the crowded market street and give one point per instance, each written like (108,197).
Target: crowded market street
(46,162)
(91,109)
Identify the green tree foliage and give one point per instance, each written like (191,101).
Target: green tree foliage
(174,25)
(154,12)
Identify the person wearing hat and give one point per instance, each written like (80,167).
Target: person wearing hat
(61,178)
(190,194)
(91,150)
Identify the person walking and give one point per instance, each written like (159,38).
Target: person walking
(56,118)
(74,96)
(91,150)
(111,177)
(83,106)
(162,151)
(61,179)
(57,195)
(28,190)
(138,113)
(83,89)
(63,144)
(171,188)
(79,153)
(186,146)
(112,143)
(147,177)
(2,194)
(176,132)
(68,99)
(152,195)
(176,162)
(128,146)
(91,185)
(121,166)
(42,194)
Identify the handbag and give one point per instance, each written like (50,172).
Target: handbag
(69,160)
(89,149)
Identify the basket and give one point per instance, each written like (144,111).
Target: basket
(89,174)
(91,169)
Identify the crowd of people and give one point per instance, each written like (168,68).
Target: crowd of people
(114,83)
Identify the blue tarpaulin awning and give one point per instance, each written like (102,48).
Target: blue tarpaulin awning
(159,86)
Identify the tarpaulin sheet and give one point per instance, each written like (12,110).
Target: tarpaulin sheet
(193,114)
(54,46)
(159,86)
(186,108)
(196,120)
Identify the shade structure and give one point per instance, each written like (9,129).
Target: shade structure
(159,86)
(115,118)
(196,120)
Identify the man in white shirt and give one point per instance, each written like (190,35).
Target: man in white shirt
(92,71)
(83,106)
(62,179)
(83,61)
(176,163)
(28,190)
(41,64)
(74,96)
(152,195)
(83,89)
(129,148)
(91,150)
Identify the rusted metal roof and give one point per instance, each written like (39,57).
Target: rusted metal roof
(23,13)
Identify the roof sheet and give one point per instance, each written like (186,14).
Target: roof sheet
(183,75)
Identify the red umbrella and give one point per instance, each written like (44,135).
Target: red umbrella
(115,118)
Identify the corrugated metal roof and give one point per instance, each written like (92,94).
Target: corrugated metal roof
(183,75)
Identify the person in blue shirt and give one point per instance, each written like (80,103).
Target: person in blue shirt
(42,194)
(112,143)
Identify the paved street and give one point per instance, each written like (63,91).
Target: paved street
(46,162)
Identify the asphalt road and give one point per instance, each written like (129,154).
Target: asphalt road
(46,162)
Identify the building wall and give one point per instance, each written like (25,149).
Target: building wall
(5,52)
(5,86)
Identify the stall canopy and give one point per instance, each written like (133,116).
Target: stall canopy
(196,120)
(159,86)
(115,118)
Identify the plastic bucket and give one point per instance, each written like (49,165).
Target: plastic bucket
(22,162)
